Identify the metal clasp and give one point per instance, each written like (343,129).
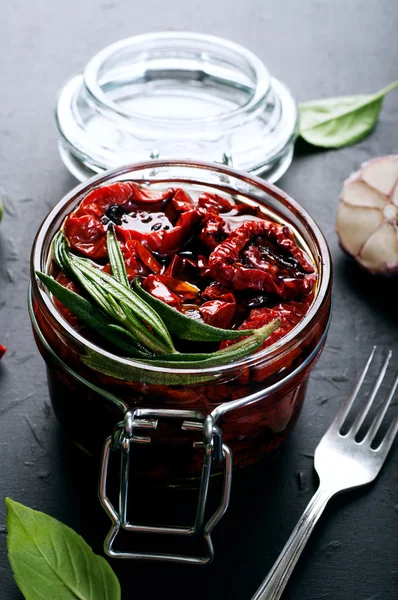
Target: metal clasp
(127,433)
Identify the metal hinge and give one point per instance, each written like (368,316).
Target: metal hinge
(128,433)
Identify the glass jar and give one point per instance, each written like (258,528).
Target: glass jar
(168,95)
(244,409)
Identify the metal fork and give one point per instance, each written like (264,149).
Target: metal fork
(342,463)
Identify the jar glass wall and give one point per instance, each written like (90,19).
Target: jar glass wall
(255,400)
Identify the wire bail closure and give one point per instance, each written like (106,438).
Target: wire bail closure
(127,433)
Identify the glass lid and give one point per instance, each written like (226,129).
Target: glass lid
(176,95)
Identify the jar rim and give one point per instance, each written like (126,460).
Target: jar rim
(272,352)
(260,72)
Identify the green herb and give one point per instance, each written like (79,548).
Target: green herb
(51,561)
(121,304)
(116,258)
(94,318)
(1,209)
(337,122)
(185,327)
(119,272)
(239,350)
(115,299)
(233,353)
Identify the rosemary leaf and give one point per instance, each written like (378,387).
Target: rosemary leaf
(116,258)
(94,318)
(129,372)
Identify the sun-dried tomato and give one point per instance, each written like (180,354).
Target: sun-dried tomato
(262,255)
(184,268)
(215,230)
(3,350)
(159,220)
(218,313)
(186,291)
(216,291)
(203,266)
(86,234)
(290,313)
(159,290)
(166,237)
(213,227)
(136,250)
(209,202)
(221,216)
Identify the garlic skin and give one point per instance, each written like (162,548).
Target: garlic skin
(367,217)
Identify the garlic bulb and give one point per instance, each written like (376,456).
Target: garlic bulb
(367,218)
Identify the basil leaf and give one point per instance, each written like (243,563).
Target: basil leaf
(50,560)
(337,122)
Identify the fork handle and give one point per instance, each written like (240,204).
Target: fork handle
(276,580)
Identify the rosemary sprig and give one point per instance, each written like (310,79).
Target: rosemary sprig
(114,298)
(116,257)
(123,317)
(94,318)
(128,372)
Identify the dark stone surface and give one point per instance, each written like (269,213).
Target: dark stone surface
(319,49)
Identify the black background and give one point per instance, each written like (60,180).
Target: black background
(320,49)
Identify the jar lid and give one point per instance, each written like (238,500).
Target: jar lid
(176,95)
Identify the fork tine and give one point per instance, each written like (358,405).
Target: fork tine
(345,408)
(388,439)
(374,428)
(361,416)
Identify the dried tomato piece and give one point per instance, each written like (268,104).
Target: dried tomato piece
(215,230)
(203,266)
(218,313)
(87,235)
(134,249)
(209,202)
(184,268)
(3,350)
(216,291)
(221,216)
(185,290)
(159,290)
(262,255)
(290,313)
(127,193)
(159,220)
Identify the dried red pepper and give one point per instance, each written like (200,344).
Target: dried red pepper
(3,350)
(262,255)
